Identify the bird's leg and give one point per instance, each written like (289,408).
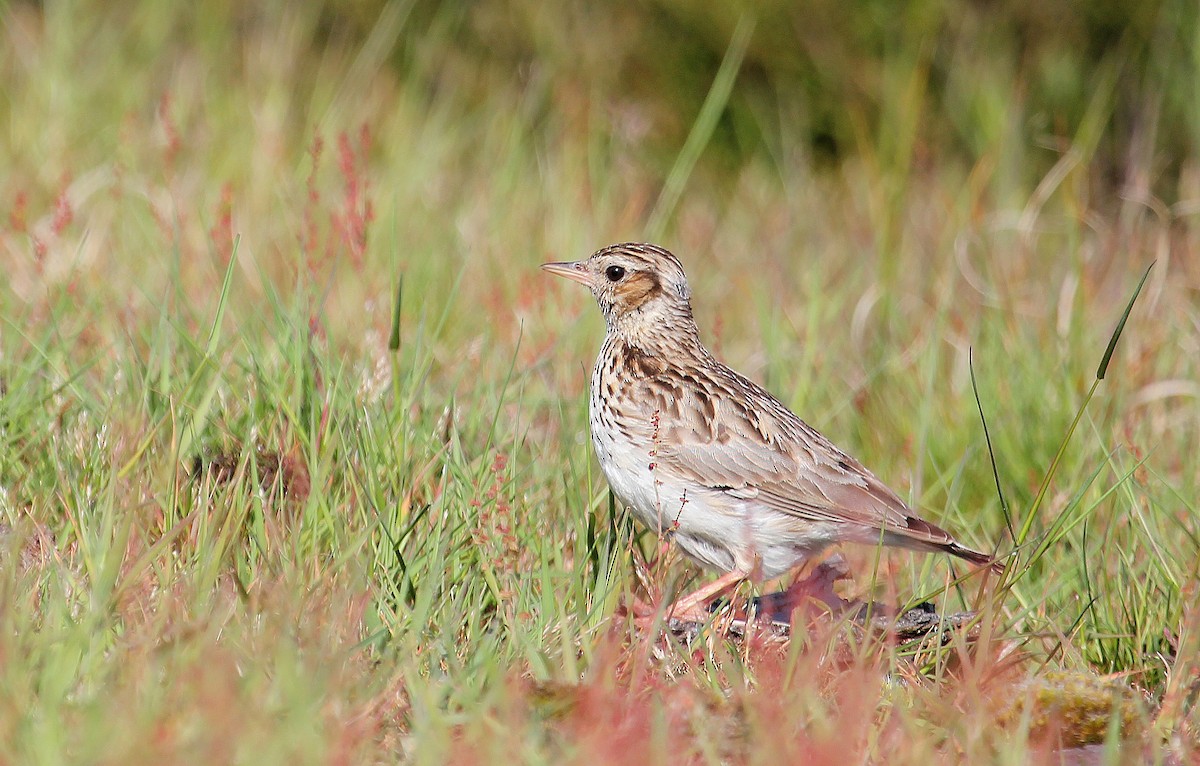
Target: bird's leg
(693,606)
(642,611)
(816,589)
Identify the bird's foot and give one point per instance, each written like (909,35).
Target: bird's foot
(813,594)
(651,617)
(692,607)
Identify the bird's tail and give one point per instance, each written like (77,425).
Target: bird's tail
(973,556)
(924,535)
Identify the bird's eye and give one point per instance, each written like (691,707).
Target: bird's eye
(614,273)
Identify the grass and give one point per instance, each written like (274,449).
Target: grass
(238,523)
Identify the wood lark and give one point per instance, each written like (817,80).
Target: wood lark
(707,456)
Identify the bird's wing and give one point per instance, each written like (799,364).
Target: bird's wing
(739,439)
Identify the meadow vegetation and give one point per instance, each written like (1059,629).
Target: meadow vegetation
(294,463)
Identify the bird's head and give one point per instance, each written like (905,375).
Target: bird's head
(640,288)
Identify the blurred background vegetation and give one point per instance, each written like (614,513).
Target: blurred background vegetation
(909,84)
(967,80)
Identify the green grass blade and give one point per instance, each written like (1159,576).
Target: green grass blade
(702,130)
(991,452)
(214,332)
(1102,370)
(394,337)
(1027,525)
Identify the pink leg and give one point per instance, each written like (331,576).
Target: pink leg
(693,606)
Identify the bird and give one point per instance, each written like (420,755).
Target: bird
(709,458)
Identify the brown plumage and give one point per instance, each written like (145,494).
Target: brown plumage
(699,451)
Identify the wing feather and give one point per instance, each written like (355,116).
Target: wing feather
(744,442)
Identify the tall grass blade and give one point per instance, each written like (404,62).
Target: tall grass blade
(214,332)
(394,338)
(702,130)
(1102,370)
(1027,525)
(991,452)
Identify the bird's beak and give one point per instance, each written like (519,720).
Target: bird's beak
(575,271)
